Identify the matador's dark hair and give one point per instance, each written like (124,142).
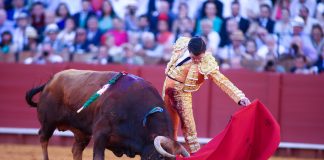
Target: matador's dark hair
(196,45)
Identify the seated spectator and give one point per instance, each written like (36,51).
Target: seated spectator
(67,35)
(317,37)
(301,66)
(32,37)
(252,32)
(182,14)
(151,51)
(164,36)
(50,17)
(279,8)
(47,55)
(130,56)
(297,30)
(230,55)
(320,61)
(274,66)
(242,22)
(81,45)
(265,18)
(270,50)
(81,18)
(62,13)
(51,32)
(6,44)
(5,24)
(297,47)
(93,32)
(163,12)
(219,7)
(283,26)
(308,19)
(114,51)
(18,7)
(134,40)
(143,24)
(37,14)
(20,39)
(295,6)
(210,12)
(250,59)
(229,26)
(261,36)
(186,28)
(212,37)
(118,32)
(131,20)
(106,17)
(102,57)
(319,13)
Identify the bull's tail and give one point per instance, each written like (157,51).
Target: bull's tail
(30,94)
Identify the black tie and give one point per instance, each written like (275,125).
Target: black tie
(183,61)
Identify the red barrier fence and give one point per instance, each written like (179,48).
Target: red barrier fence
(296,101)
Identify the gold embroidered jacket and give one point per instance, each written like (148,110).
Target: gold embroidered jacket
(190,76)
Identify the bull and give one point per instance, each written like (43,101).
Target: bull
(114,121)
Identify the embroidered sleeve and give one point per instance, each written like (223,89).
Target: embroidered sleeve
(226,85)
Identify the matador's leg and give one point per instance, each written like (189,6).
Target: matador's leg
(171,107)
(184,107)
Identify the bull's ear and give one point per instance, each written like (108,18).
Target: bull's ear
(152,111)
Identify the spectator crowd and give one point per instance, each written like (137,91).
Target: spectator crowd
(259,35)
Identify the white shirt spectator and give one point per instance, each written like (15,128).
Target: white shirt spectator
(67,38)
(193,7)
(296,5)
(246,5)
(121,6)
(73,5)
(213,41)
(309,24)
(264,51)
(20,38)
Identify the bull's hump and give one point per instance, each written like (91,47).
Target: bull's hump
(80,72)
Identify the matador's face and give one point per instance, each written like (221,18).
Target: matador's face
(196,58)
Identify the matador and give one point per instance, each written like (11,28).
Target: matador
(187,69)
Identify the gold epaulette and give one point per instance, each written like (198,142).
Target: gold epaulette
(178,49)
(181,44)
(207,65)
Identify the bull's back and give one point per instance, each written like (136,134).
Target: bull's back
(74,87)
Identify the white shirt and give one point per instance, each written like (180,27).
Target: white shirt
(296,5)
(263,51)
(66,37)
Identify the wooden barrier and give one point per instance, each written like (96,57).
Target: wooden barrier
(296,101)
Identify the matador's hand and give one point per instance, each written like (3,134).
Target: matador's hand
(244,102)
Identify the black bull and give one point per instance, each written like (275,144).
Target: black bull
(114,120)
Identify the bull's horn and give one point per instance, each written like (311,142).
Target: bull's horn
(157,144)
(183,151)
(168,143)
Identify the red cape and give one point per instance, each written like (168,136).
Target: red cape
(251,134)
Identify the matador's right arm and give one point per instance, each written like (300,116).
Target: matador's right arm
(209,68)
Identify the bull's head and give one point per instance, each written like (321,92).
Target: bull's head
(164,149)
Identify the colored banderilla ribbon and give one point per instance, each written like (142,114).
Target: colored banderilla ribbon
(101,91)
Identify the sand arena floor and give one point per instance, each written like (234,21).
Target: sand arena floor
(33,152)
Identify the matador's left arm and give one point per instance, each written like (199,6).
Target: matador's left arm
(209,68)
